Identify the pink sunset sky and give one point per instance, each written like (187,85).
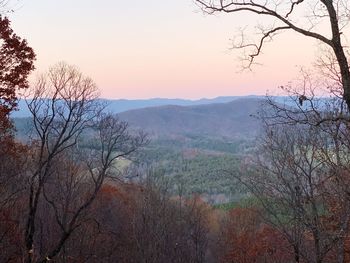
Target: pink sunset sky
(155,48)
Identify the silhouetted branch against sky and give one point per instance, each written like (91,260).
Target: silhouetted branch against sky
(290,15)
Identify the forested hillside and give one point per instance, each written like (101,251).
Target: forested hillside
(219,120)
(191,145)
(121,105)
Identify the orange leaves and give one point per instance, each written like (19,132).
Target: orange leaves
(110,193)
(250,240)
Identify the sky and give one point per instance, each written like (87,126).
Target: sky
(155,48)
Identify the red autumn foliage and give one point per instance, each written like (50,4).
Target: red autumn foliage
(249,240)
(10,245)
(16,63)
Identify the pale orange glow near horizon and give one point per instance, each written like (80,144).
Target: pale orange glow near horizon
(164,48)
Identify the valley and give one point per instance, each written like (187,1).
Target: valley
(193,146)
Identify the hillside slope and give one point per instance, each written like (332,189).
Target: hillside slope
(231,120)
(121,105)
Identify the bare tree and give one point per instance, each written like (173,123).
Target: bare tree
(166,231)
(285,16)
(5,6)
(64,177)
(304,166)
(298,188)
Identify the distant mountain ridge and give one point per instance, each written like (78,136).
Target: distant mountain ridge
(234,119)
(121,105)
(180,120)
(231,119)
